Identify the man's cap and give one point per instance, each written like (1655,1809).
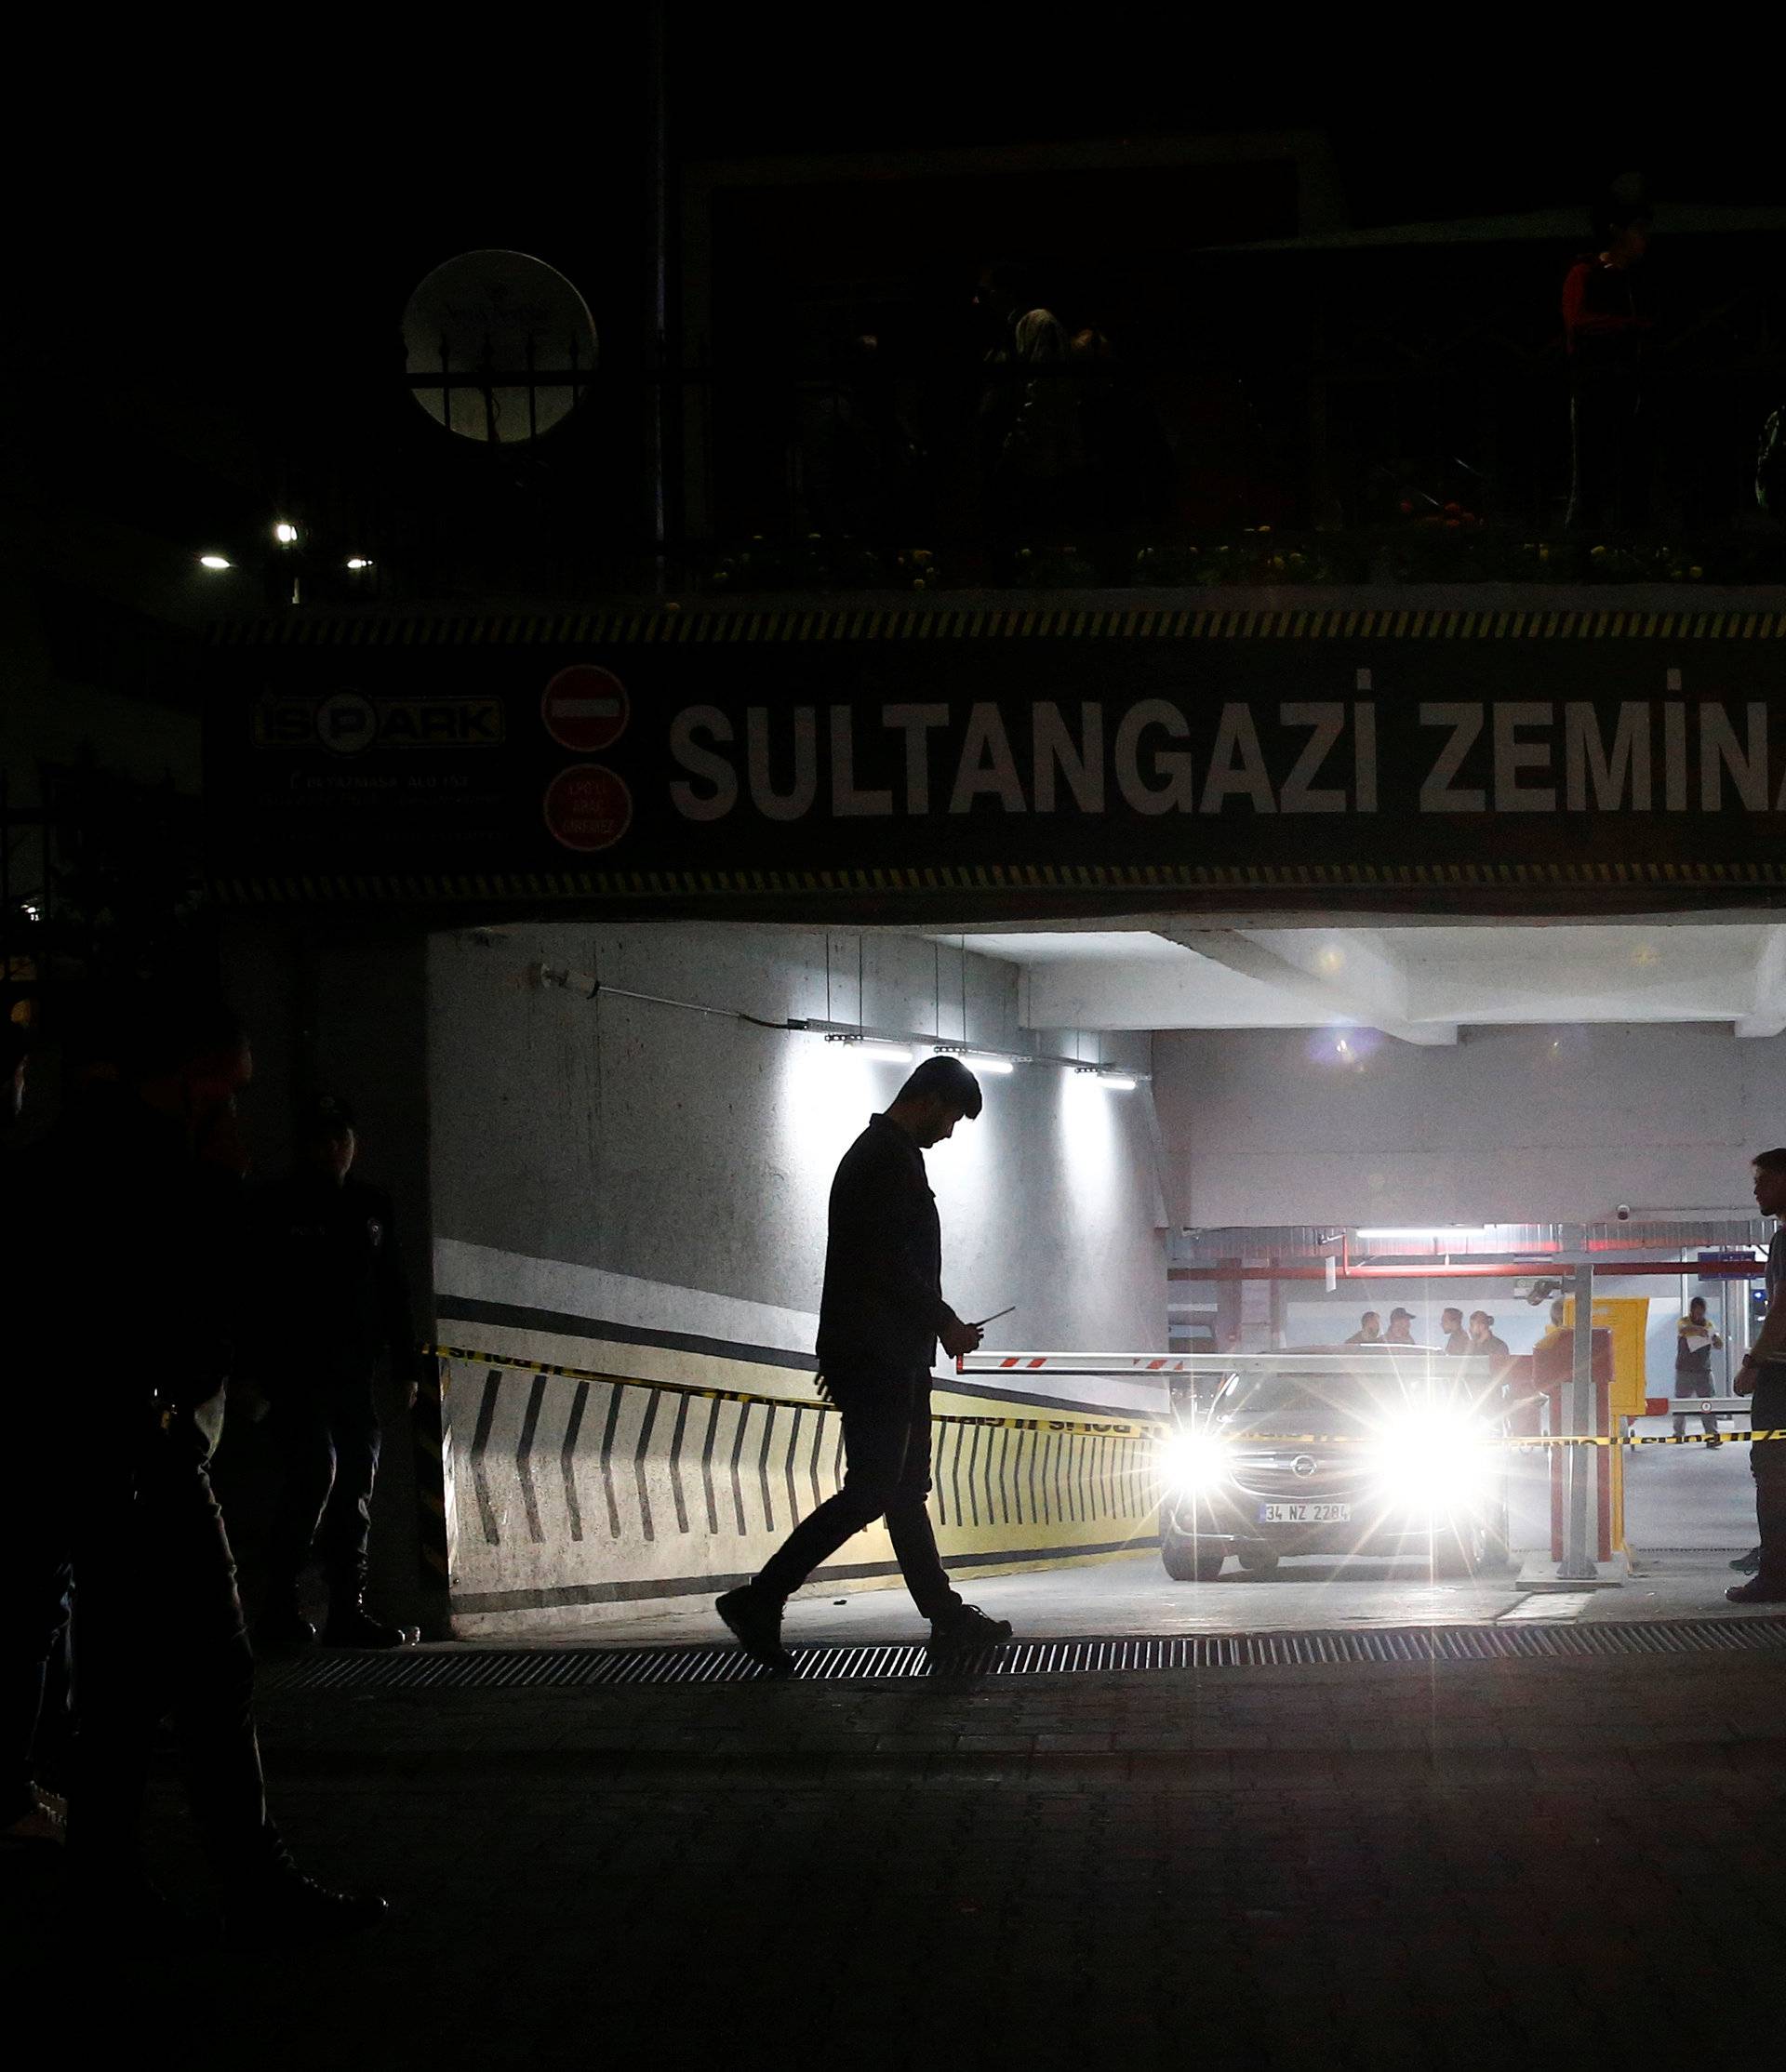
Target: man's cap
(1408,1313)
(325,1115)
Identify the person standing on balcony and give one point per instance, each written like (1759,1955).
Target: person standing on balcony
(1032,433)
(1604,328)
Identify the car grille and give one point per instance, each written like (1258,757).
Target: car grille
(1272,1475)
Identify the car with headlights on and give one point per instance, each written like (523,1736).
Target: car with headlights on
(1364,1450)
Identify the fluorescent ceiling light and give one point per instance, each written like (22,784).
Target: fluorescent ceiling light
(978,1061)
(1404,1230)
(215,561)
(1112,1082)
(874,1046)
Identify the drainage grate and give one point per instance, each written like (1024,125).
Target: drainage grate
(510,1669)
(1645,1551)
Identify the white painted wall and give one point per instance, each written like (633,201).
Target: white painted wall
(674,1166)
(1513,1125)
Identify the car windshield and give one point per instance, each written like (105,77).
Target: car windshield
(1341,1402)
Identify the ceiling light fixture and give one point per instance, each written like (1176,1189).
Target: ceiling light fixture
(1427,1231)
(877,1047)
(1112,1082)
(977,1061)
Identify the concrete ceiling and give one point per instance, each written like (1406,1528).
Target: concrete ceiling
(1419,984)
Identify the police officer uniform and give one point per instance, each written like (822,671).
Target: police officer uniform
(332,1301)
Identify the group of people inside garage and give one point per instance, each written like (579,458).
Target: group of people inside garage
(1477,1340)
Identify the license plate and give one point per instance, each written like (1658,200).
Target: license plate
(1305,1514)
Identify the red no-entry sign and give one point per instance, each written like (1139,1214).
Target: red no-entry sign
(585,709)
(588,806)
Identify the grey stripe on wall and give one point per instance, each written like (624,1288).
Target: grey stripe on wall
(982,1478)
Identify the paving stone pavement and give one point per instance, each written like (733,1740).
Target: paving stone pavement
(1487,1864)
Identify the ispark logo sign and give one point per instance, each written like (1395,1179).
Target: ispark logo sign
(347,723)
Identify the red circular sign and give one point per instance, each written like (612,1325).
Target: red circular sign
(585,709)
(587,808)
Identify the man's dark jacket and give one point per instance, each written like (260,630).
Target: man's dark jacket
(882,1297)
(330,1296)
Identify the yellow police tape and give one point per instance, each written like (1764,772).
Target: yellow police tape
(1159,1431)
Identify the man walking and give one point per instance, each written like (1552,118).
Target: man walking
(879,1318)
(1762,1377)
(333,1302)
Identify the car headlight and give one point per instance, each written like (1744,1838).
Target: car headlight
(1194,1461)
(1436,1461)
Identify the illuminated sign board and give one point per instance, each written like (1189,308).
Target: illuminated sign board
(1004,762)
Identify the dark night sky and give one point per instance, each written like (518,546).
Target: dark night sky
(230,254)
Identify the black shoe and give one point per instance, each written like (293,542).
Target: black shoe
(282,1625)
(289,1911)
(1746,1564)
(351,1625)
(1713,1439)
(756,1622)
(39,1819)
(1755,1592)
(967,1627)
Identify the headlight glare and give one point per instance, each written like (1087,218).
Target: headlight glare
(1435,1461)
(1192,1461)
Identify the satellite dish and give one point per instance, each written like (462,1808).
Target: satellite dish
(500,345)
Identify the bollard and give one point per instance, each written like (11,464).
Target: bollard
(1578,1564)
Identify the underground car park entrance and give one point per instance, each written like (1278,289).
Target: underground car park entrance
(1314,962)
